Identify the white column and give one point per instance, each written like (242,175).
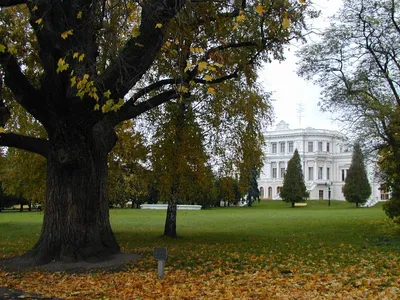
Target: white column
(315,170)
(268,170)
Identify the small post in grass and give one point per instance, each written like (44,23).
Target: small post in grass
(329,183)
(161,255)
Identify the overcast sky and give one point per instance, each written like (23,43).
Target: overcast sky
(289,90)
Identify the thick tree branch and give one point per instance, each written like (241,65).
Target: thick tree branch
(24,93)
(32,144)
(130,110)
(150,88)
(6,3)
(138,54)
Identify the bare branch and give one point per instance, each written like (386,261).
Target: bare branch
(217,80)
(32,144)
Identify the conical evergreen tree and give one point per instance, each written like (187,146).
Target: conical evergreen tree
(294,189)
(356,188)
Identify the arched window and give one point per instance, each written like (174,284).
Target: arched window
(261,192)
(270,193)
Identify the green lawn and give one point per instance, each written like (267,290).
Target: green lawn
(339,242)
(271,226)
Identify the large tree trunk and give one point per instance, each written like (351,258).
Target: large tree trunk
(170,221)
(76,224)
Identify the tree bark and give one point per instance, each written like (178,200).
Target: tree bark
(76,224)
(170,222)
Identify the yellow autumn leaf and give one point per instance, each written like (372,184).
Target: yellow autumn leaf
(76,54)
(196,50)
(285,23)
(12,49)
(260,9)
(240,18)
(208,77)
(35,8)
(202,65)
(188,66)
(73,81)
(79,15)
(182,89)
(67,33)
(97,107)
(235,26)
(211,90)
(61,65)
(2,130)
(159,25)
(107,94)
(135,31)
(2,48)
(81,57)
(39,21)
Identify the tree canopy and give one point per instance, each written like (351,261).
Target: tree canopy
(81,67)
(356,62)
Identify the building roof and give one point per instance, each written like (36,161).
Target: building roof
(282,130)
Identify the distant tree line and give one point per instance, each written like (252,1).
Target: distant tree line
(7,201)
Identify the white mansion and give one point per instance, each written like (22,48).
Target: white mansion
(325,160)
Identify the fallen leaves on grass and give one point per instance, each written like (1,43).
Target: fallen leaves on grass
(235,275)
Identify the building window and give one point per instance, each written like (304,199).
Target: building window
(273,172)
(320,173)
(327,147)
(328,173)
(321,194)
(310,173)
(282,147)
(344,175)
(310,147)
(290,147)
(273,147)
(320,146)
(261,192)
(384,194)
(283,170)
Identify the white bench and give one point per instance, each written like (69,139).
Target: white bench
(300,204)
(164,206)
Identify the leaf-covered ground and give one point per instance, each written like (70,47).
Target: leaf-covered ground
(265,252)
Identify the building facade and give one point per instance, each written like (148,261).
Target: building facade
(325,159)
